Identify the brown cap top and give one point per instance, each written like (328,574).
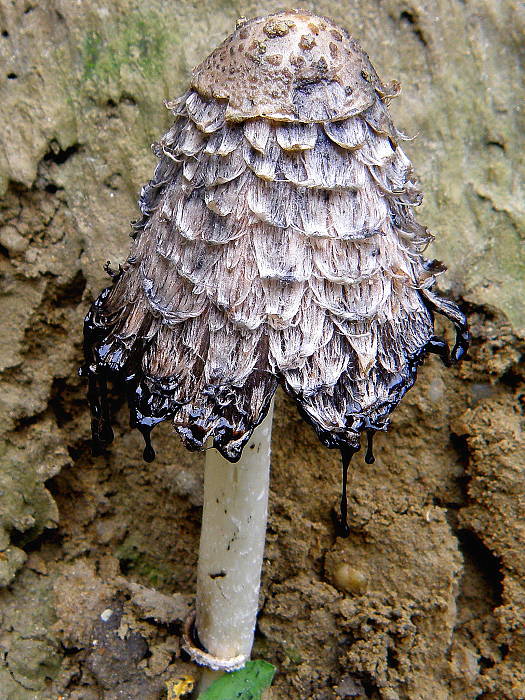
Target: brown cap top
(289,66)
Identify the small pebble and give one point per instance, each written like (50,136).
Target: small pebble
(346,578)
(108,612)
(12,240)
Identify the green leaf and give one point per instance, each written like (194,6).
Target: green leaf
(246,684)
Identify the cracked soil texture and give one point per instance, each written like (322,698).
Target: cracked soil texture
(426,598)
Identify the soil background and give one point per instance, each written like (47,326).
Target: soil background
(98,555)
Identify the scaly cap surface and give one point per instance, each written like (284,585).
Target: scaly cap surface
(290,66)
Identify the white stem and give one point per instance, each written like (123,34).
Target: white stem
(232,547)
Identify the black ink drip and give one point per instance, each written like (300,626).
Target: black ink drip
(148,453)
(369,456)
(461,346)
(342,528)
(439,346)
(98,374)
(97,387)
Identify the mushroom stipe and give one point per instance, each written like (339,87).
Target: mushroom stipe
(277,246)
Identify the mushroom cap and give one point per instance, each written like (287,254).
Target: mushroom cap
(290,66)
(272,252)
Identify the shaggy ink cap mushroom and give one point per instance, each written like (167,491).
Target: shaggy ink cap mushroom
(277,246)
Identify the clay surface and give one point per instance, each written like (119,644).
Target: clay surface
(426,598)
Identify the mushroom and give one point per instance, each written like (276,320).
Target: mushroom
(277,245)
